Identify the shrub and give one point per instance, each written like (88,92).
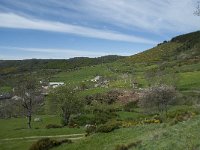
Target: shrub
(150,121)
(129,106)
(108,127)
(134,144)
(103,117)
(90,129)
(49,126)
(184,116)
(111,97)
(47,143)
(67,141)
(182,110)
(121,147)
(130,145)
(108,98)
(158,98)
(43,144)
(81,120)
(98,117)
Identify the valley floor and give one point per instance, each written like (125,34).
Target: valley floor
(183,135)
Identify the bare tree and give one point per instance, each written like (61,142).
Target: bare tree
(28,93)
(197,11)
(157,98)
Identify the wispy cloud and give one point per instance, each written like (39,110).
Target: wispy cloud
(134,23)
(149,15)
(10,20)
(56,53)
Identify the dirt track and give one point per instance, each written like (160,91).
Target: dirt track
(69,136)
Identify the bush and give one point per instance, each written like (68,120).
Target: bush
(47,143)
(66,141)
(158,98)
(108,127)
(82,120)
(121,147)
(98,117)
(90,129)
(49,126)
(126,147)
(104,116)
(184,116)
(181,110)
(129,106)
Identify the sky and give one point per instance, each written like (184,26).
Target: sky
(61,29)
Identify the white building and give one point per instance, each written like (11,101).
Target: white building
(56,84)
(96,79)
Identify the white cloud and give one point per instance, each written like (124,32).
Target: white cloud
(155,16)
(10,20)
(54,53)
(150,15)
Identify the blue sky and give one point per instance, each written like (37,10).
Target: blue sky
(74,28)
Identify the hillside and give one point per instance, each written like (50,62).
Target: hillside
(111,89)
(180,55)
(19,66)
(182,49)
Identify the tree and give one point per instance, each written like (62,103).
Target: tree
(65,101)
(197,11)
(29,96)
(157,98)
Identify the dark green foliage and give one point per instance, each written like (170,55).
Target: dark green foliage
(46,144)
(109,97)
(67,102)
(98,117)
(49,126)
(129,146)
(90,129)
(130,106)
(82,120)
(103,117)
(108,127)
(65,141)
(18,66)
(121,147)
(190,37)
(180,117)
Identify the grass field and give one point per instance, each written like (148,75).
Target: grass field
(189,80)
(183,135)
(17,128)
(85,73)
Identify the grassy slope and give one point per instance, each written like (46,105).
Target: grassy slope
(86,73)
(153,136)
(180,54)
(16,128)
(189,80)
(184,135)
(156,54)
(180,136)
(188,77)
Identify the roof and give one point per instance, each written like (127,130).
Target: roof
(56,83)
